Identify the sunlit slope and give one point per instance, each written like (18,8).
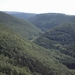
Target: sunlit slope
(23,28)
(18,56)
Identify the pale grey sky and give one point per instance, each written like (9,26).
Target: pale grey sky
(39,6)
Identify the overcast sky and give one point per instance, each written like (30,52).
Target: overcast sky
(39,6)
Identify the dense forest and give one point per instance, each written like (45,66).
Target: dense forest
(26,50)
(60,38)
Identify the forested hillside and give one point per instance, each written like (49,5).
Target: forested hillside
(50,20)
(18,56)
(61,38)
(19,26)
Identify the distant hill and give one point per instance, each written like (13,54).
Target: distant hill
(50,20)
(22,15)
(60,38)
(22,27)
(18,56)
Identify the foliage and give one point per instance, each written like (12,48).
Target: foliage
(18,56)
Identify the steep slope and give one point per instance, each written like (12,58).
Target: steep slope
(23,28)
(21,15)
(21,57)
(50,20)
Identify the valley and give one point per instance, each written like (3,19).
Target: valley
(37,44)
